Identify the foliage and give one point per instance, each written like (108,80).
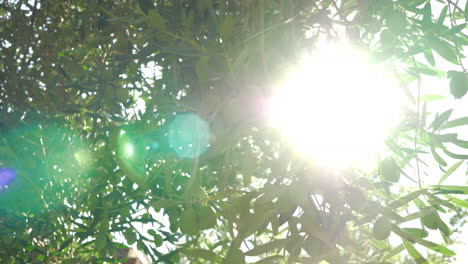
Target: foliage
(89,90)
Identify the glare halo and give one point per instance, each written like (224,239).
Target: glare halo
(336,107)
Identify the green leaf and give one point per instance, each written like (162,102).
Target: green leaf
(414,253)
(454,155)
(392,253)
(451,189)
(390,170)
(420,214)
(382,228)
(450,171)
(427,17)
(457,201)
(460,143)
(406,199)
(417,232)
(267,247)
(456,29)
(458,84)
(429,57)
(435,247)
(439,120)
(202,254)
(442,15)
(444,49)
(188,222)
(438,158)
(463,121)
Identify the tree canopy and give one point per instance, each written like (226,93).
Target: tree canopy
(116,114)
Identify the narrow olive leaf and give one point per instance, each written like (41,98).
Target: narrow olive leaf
(443,15)
(267,247)
(438,158)
(420,214)
(389,213)
(436,201)
(202,254)
(451,189)
(450,171)
(414,253)
(454,30)
(429,57)
(460,143)
(395,251)
(406,199)
(439,120)
(428,244)
(454,155)
(435,247)
(417,232)
(269,260)
(463,121)
(444,49)
(382,244)
(443,227)
(457,201)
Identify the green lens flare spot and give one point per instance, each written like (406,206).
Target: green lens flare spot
(129,150)
(188,135)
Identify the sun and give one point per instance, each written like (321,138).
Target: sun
(336,107)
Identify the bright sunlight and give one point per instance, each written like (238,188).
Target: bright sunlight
(336,107)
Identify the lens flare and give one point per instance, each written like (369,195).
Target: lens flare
(188,135)
(7,176)
(336,107)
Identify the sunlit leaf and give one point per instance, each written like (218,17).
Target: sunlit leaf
(405,199)
(450,171)
(451,189)
(414,253)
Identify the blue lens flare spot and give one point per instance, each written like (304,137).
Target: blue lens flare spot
(188,135)
(7,176)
